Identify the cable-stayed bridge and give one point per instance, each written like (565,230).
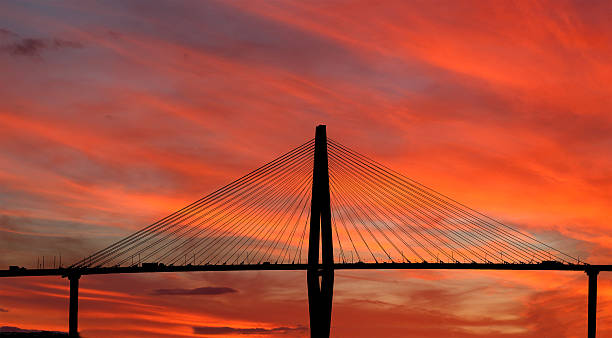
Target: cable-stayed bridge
(322,207)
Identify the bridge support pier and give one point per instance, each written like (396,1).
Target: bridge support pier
(320,294)
(73,310)
(320,275)
(592,312)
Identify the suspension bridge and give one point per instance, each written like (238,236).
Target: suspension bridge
(322,207)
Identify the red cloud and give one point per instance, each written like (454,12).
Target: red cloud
(504,106)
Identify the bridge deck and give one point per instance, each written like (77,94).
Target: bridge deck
(291,267)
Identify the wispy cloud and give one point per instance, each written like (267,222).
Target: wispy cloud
(34,47)
(5,33)
(204,291)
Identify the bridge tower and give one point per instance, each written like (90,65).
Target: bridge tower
(320,274)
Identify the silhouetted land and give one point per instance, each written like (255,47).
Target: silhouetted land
(33,334)
(40,334)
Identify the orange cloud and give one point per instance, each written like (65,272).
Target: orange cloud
(504,106)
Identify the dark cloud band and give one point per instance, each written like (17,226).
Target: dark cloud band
(224,330)
(34,46)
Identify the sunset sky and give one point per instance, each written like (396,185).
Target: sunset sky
(115,113)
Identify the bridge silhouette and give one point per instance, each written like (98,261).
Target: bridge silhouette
(322,207)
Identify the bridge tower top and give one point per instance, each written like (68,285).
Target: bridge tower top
(320,291)
(320,211)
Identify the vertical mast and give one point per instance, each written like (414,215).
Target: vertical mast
(320,291)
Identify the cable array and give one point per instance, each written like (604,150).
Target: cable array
(261,217)
(378,215)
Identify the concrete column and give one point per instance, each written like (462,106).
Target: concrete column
(73,314)
(592,321)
